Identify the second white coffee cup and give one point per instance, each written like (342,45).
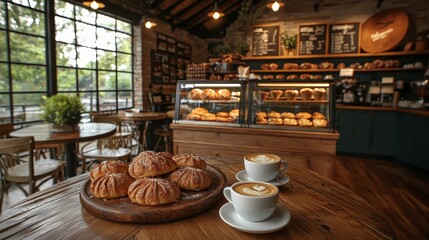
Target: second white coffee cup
(263,166)
(253,201)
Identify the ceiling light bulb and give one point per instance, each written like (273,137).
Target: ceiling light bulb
(148,24)
(94,5)
(216,15)
(276,6)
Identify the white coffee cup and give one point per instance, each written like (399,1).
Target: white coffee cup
(263,166)
(253,201)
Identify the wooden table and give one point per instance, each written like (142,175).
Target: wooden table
(143,120)
(87,132)
(320,209)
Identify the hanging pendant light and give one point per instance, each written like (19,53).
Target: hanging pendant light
(94,4)
(215,14)
(148,24)
(275,5)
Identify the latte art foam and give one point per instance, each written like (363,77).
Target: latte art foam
(263,158)
(255,189)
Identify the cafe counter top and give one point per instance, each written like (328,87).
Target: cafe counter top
(320,209)
(417,112)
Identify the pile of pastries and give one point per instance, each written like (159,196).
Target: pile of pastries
(202,114)
(302,119)
(209,94)
(152,178)
(291,94)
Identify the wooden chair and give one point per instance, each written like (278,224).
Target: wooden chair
(5,130)
(17,171)
(116,147)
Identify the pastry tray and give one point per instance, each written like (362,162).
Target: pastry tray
(123,210)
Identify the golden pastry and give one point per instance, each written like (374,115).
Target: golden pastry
(305,76)
(276,94)
(111,185)
(189,178)
(153,191)
(261,121)
(261,114)
(193,117)
(144,165)
(318,115)
(280,76)
(199,111)
(208,117)
(319,93)
(225,119)
(189,160)
(305,65)
(287,66)
(305,122)
(304,115)
(103,168)
(222,114)
(306,93)
(208,94)
(292,77)
(235,113)
(288,115)
(320,123)
(290,121)
(195,94)
(291,94)
(275,121)
(274,114)
(224,94)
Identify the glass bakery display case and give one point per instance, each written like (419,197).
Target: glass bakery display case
(204,102)
(292,105)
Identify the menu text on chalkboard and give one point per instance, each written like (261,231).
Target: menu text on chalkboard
(312,39)
(265,41)
(344,38)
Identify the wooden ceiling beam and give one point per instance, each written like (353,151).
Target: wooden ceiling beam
(189,13)
(202,17)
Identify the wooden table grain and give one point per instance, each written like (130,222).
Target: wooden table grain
(320,209)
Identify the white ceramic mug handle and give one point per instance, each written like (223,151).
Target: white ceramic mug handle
(227,193)
(284,165)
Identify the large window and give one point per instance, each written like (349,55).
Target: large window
(93,58)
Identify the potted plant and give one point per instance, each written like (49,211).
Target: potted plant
(63,112)
(288,42)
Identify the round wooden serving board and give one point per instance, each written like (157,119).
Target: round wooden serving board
(123,210)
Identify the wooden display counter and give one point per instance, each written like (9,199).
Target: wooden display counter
(312,150)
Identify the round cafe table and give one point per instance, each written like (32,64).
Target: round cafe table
(86,132)
(319,207)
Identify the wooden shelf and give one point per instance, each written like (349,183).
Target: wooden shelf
(359,55)
(336,70)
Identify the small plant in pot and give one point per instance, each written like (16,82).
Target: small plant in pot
(63,112)
(289,42)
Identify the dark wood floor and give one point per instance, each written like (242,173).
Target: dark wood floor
(399,193)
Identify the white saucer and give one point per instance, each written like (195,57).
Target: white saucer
(279,219)
(280,180)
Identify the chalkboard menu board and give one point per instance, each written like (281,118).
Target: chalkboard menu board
(265,41)
(312,39)
(344,38)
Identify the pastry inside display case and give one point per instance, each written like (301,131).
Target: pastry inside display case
(210,104)
(291,105)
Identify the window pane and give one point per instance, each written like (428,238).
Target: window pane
(64,8)
(107,101)
(124,27)
(27,49)
(89,100)
(125,62)
(29,104)
(2,15)
(85,34)
(106,80)
(66,55)
(105,21)
(106,60)
(66,79)
(3,46)
(87,80)
(106,39)
(4,78)
(85,15)
(125,81)
(87,57)
(124,42)
(125,100)
(37,4)
(27,78)
(64,30)
(26,20)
